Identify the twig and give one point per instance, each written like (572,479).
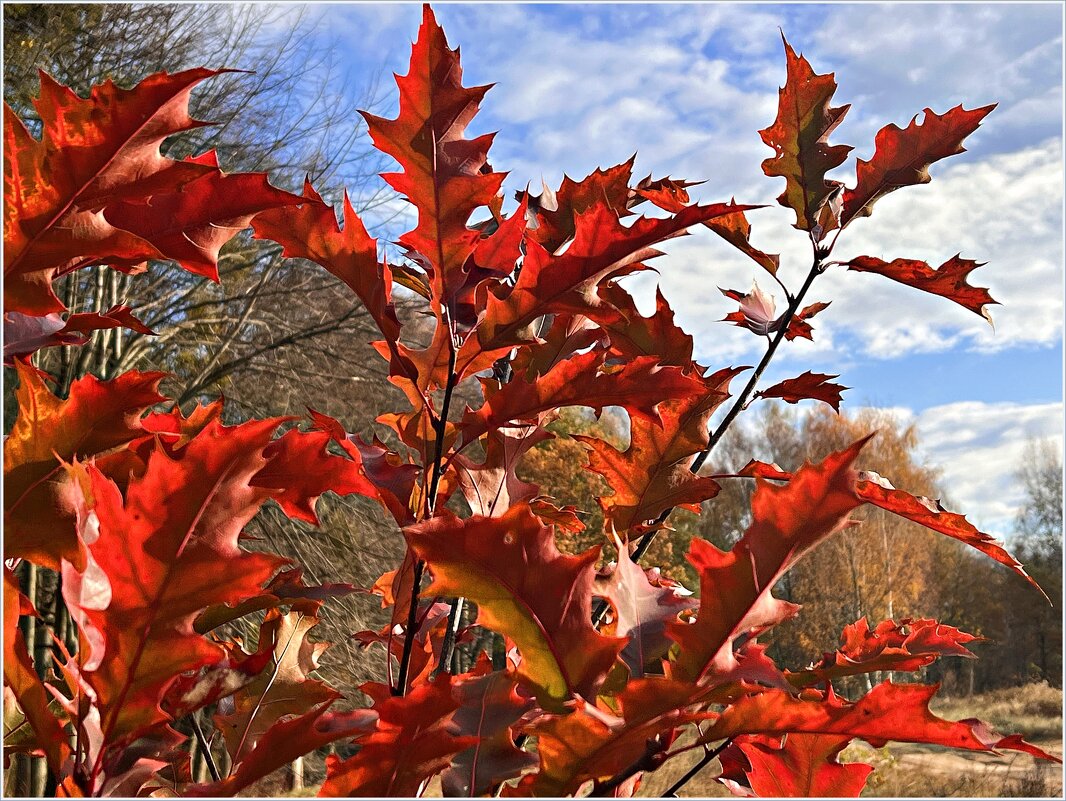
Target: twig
(205,748)
(439,428)
(707,759)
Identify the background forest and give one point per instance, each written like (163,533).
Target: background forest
(276,341)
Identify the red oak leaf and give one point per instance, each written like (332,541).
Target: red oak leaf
(652,475)
(489,709)
(877,491)
(735,229)
(445,175)
(735,586)
(96,190)
(640,385)
(902,156)
(24,335)
(802,766)
(286,741)
(413,741)
(492,486)
(907,645)
(555,213)
(641,609)
(889,712)
(798,325)
(948,280)
(800,136)
(509,566)
(310,231)
(808,386)
(96,417)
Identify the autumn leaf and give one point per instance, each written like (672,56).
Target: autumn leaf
(95,188)
(96,417)
(800,137)
(24,335)
(949,280)
(489,709)
(735,597)
(807,386)
(802,766)
(652,475)
(413,741)
(310,231)
(524,588)
(902,156)
(876,490)
(555,213)
(284,688)
(492,486)
(164,553)
(287,741)
(583,380)
(442,173)
(757,313)
(735,229)
(889,712)
(906,645)
(799,327)
(563,282)
(641,609)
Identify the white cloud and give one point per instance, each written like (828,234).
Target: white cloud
(979,448)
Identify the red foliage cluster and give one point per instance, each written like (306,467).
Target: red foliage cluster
(142,511)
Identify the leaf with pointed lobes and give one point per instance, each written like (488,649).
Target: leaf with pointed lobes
(902,156)
(554,215)
(24,335)
(444,175)
(800,766)
(284,687)
(524,588)
(22,681)
(490,708)
(735,229)
(889,712)
(652,475)
(392,476)
(165,553)
(798,325)
(634,335)
(566,280)
(800,136)
(640,386)
(413,741)
(758,312)
(949,280)
(735,586)
(285,742)
(597,742)
(96,190)
(906,645)
(310,231)
(567,334)
(492,486)
(876,490)
(669,194)
(285,587)
(642,604)
(96,417)
(300,468)
(807,386)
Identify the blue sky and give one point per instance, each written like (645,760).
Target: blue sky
(687,86)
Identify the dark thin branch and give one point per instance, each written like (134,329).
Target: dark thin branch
(707,759)
(205,748)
